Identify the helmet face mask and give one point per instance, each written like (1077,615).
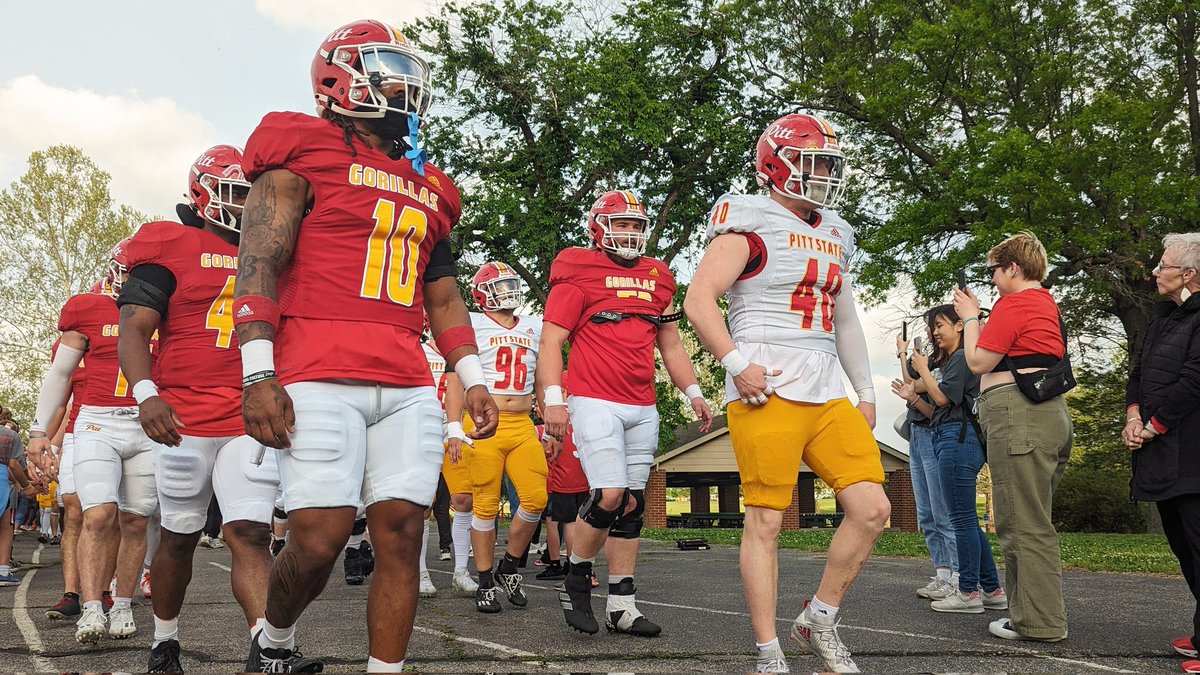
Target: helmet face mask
(117,268)
(798,156)
(609,220)
(497,287)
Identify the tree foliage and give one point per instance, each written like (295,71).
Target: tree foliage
(59,223)
(970,119)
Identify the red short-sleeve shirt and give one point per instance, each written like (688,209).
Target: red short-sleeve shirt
(1023,324)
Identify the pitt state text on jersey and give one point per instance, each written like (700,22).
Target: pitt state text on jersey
(96,316)
(788,292)
(359,256)
(613,361)
(199,371)
(509,355)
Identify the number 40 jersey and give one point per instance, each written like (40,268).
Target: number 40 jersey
(781,308)
(509,355)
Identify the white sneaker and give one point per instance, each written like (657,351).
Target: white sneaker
(994,600)
(427,590)
(120,622)
(772,661)
(938,589)
(959,603)
(91,626)
(463,581)
(820,636)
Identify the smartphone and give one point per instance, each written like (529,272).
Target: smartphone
(904,331)
(962,279)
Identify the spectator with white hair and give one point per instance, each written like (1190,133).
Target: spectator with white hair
(1162,413)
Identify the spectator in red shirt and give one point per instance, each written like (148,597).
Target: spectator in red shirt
(1028,444)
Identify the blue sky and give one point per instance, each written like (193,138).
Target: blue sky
(143,87)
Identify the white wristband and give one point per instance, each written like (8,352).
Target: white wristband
(470,370)
(144,389)
(735,363)
(257,356)
(553,396)
(693,391)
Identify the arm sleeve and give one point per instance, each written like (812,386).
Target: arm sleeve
(148,286)
(564,306)
(954,378)
(56,385)
(852,344)
(441,262)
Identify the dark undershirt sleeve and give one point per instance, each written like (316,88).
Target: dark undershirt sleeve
(148,286)
(441,262)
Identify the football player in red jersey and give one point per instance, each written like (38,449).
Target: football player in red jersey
(609,303)
(346,239)
(113,462)
(181,284)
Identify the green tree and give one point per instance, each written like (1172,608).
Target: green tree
(971,119)
(59,222)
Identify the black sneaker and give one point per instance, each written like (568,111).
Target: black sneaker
(354,567)
(576,601)
(165,658)
(554,572)
(277,546)
(267,660)
(511,584)
(368,558)
(617,622)
(486,600)
(67,608)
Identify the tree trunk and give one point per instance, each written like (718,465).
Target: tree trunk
(1185,19)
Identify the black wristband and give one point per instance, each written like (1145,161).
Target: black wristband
(255,378)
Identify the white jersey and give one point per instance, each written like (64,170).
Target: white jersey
(781,309)
(437,368)
(509,355)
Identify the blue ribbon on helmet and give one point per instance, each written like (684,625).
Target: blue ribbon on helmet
(417,155)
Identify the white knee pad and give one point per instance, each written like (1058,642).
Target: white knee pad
(184,477)
(245,490)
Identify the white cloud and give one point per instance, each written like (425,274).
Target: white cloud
(146,145)
(323,16)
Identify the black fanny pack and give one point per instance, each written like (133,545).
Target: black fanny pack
(1047,384)
(610,316)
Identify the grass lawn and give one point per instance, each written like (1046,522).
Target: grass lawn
(1093,552)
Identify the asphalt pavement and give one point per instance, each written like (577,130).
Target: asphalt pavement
(1119,623)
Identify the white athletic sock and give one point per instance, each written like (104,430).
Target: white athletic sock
(424,550)
(575,560)
(374,665)
(277,638)
(944,573)
(767,646)
(256,626)
(5,570)
(118,602)
(165,629)
(355,540)
(822,610)
(460,532)
(93,603)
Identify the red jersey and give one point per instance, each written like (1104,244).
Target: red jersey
(566,473)
(614,360)
(351,297)
(96,316)
(199,369)
(1022,324)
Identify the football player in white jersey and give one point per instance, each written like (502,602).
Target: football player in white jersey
(508,348)
(781,259)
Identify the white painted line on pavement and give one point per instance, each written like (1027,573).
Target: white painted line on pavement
(21,617)
(507,651)
(220,566)
(919,636)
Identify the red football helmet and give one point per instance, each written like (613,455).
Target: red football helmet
(366,68)
(798,156)
(217,186)
(497,286)
(117,266)
(103,287)
(619,205)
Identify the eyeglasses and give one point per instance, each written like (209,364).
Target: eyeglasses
(1160,267)
(991,269)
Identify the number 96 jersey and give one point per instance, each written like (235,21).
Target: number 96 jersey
(509,355)
(787,294)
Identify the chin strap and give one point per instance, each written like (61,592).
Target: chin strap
(416,154)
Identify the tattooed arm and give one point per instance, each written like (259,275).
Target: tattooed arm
(270,224)
(159,420)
